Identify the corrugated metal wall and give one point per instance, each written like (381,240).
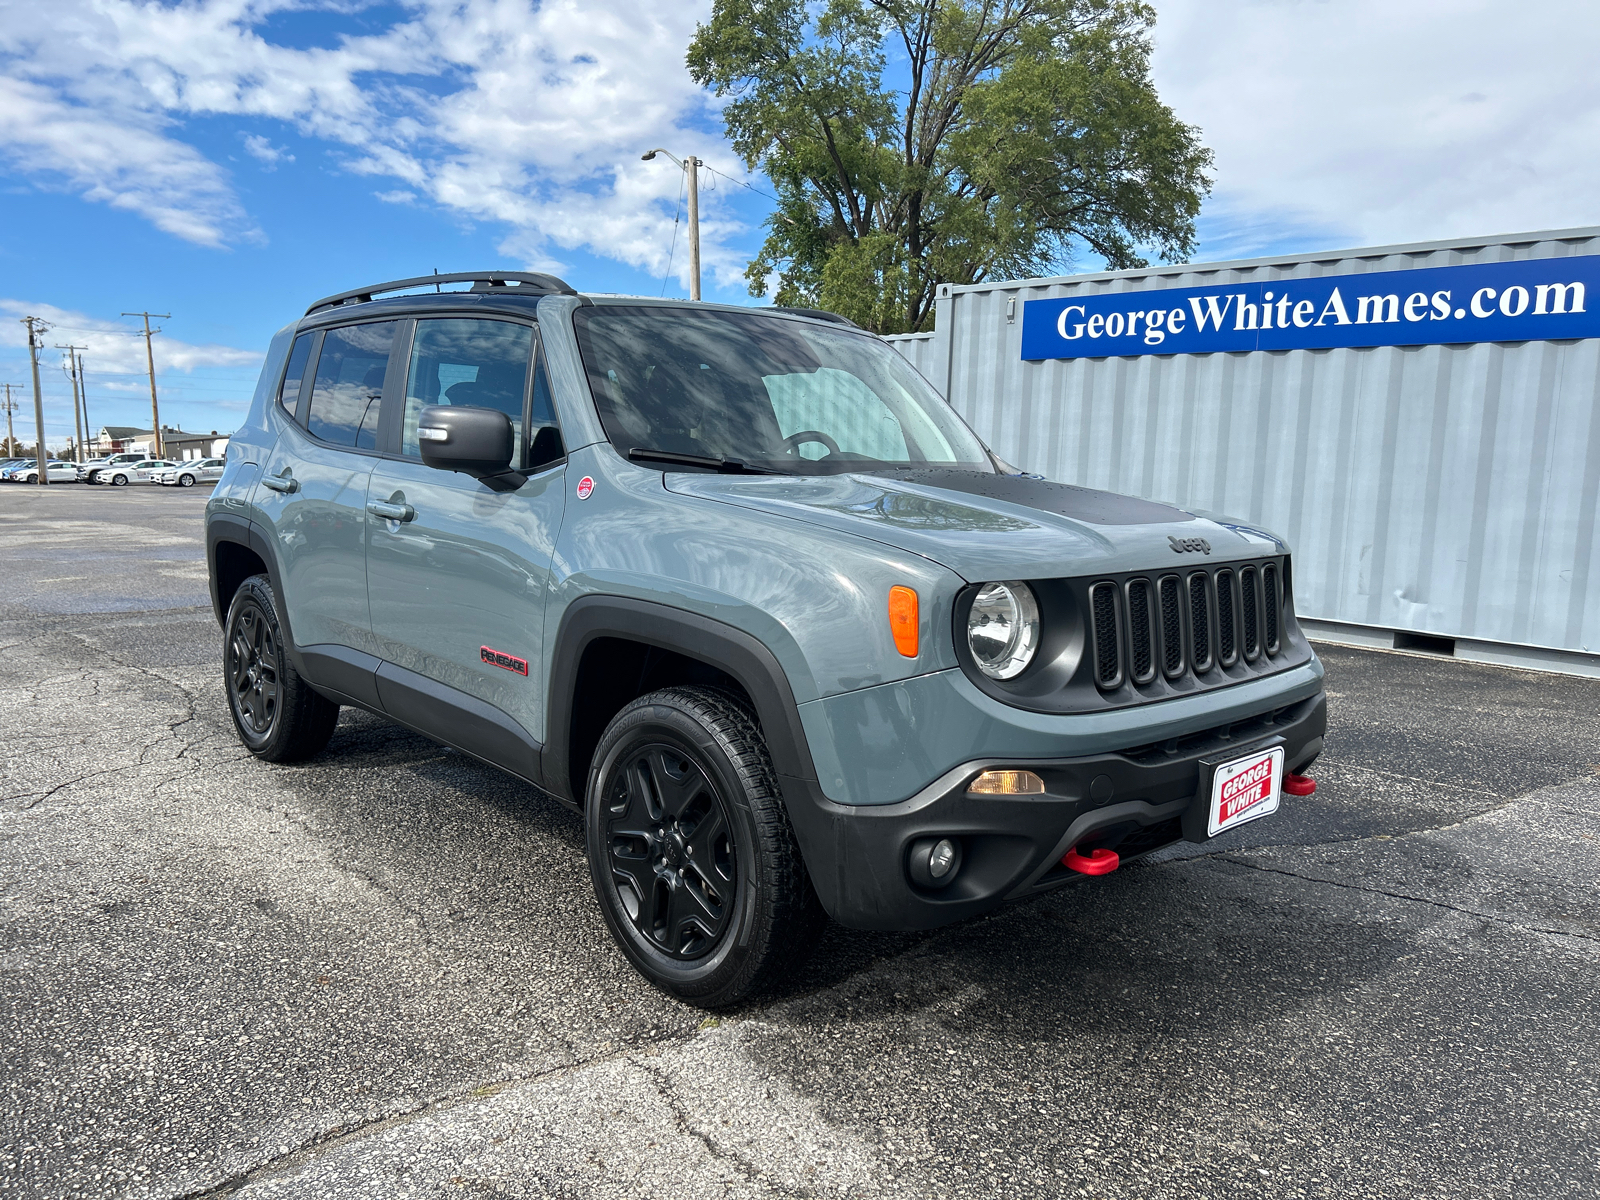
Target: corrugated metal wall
(1449,490)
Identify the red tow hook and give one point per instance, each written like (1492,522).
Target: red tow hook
(1299,785)
(1098,862)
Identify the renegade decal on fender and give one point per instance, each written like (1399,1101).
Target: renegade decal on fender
(509,662)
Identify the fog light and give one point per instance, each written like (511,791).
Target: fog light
(934,862)
(1007,783)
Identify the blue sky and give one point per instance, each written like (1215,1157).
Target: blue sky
(228,161)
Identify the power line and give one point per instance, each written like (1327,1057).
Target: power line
(742,183)
(676,214)
(71,368)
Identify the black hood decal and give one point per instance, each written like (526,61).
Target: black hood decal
(1080,504)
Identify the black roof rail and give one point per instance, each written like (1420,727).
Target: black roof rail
(816,314)
(529,282)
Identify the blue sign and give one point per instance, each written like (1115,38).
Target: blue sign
(1536,300)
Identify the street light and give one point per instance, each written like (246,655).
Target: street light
(692,166)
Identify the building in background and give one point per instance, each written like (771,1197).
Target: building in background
(175,443)
(1422,422)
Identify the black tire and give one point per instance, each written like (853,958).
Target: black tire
(278,716)
(119,480)
(709,921)
(186,480)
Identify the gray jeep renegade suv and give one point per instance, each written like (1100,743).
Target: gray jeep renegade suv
(739,587)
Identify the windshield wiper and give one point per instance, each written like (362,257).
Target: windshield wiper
(725,466)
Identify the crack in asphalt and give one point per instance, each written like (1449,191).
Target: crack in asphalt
(751,1172)
(295,1160)
(1377,891)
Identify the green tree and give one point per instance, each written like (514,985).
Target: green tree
(1020,127)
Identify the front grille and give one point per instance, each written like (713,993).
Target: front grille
(1248,581)
(1269,586)
(1208,620)
(1141,631)
(1107,653)
(1171,628)
(1199,624)
(1227,639)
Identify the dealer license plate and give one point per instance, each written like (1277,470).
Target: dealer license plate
(1245,789)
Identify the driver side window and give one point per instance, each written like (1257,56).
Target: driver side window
(840,405)
(468,361)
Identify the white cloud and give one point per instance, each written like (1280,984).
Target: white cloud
(1381,121)
(130,164)
(111,346)
(528,114)
(265,152)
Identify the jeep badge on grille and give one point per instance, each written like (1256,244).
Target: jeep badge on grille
(1189,545)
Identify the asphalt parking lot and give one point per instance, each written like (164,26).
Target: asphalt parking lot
(383,973)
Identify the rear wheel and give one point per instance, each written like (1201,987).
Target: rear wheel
(693,858)
(278,716)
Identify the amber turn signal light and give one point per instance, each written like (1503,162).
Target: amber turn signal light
(903,619)
(1007,783)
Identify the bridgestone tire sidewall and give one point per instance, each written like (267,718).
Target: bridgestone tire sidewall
(703,980)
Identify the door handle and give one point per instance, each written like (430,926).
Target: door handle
(281,483)
(390,512)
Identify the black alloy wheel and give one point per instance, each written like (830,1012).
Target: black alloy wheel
(253,665)
(671,849)
(278,715)
(694,861)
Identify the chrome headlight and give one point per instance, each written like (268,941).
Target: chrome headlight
(1003,629)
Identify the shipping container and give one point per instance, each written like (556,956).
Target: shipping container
(1439,492)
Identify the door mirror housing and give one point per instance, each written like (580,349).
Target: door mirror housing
(475,441)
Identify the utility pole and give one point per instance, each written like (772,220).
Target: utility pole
(691,165)
(36,329)
(71,368)
(83,389)
(150,360)
(10,407)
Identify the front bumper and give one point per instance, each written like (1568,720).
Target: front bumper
(1132,801)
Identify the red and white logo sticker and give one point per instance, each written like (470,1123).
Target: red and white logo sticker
(585,487)
(1245,789)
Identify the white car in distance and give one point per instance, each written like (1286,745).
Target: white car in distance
(56,471)
(143,471)
(90,471)
(190,472)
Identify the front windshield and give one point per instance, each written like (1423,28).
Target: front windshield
(764,392)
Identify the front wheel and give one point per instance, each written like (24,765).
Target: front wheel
(185,480)
(694,860)
(278,716)
(119,480)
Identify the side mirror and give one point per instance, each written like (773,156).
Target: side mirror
(475,441)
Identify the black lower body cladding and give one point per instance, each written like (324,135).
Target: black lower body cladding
(1133,802)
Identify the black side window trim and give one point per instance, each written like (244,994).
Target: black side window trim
(392,420)
(315,359)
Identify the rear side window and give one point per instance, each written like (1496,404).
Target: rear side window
(466,361)
(346,394)
(289,394)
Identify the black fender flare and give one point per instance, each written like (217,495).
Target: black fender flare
(241,531)
(710,641)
